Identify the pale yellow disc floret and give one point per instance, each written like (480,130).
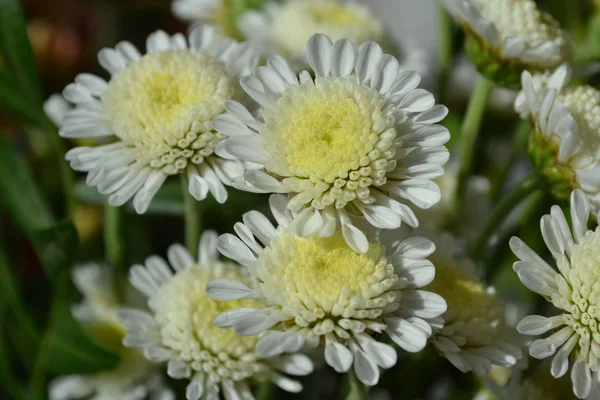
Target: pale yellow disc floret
(583,102)
(335,136)
(474,312)
(164,104)
(299,20)
(323,283)
(185,314)
(522,18)
(581,298)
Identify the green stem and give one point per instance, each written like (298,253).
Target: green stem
(509,201)
(519,145)
(445,48)
(356,389)
(192,217)
(67,175)
(114,246)
(266,391)
(469,133)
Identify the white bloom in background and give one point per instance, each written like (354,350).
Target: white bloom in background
(573,289)
(320,292)
(134,378)
(160,107)
(505,37)
(179,329)
(284,28)
(218,13)
(565,146)
(474,335)
(359,139)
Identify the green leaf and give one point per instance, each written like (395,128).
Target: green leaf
(12,98)
(16,49)
(56,246)
(8,380)
(67,348)
(19,192)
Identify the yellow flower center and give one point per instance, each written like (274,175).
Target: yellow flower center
(478,312)
(333,13)
(522,18)
(583,102)
(299,20)
(164,104)
(583,302)
(186,313)
(318,279)
(336,134)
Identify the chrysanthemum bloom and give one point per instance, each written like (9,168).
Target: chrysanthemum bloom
(180,330)
(284,28)
(573,289)
(359,139)
(134,378)
(565,144)
(160,107)
(505,37)
(218,13)
(320,292)
(474,335)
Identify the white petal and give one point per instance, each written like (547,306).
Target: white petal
(318,54)
(232,247)
(406,335)
(366,370)
(424,304)
(227,289)
(307,222)
(534,325)
(338,356)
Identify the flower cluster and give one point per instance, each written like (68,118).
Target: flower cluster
(373,248)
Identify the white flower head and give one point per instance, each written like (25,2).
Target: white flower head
(218,13)
(159,107)
(474,335)
(284,28)
(179,329)
(565,146)
(573,289)
(359,139)
(320,292)
(134,378)
(504,37)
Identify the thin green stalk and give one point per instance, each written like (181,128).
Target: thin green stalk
(469,133)
(67,176)
(114,245)
(509,201)
(9,382)
(519,145)
(192,217)
(266,391)
(445,48)
(356,390)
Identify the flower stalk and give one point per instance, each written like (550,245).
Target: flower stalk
(114,246)
(192,218)
(469,133)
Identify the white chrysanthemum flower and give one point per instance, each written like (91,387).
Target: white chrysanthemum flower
(180,330)
(319,291)
(565,146)
(573,289)
(474,335)
(134,378)
(359,139)
(218,13)
(504,37)
(160,106)
(285,28)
